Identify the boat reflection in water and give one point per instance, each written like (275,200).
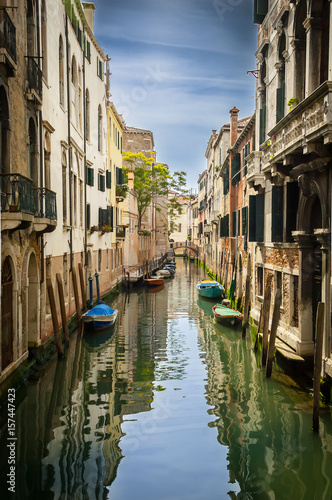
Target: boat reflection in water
(153,289)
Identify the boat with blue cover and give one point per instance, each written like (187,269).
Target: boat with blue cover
(100,316)
(210,288)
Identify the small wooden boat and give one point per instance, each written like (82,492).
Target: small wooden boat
(154,289)
(226,315)
(164,273)
(154,281)
(209,288)
(100,316)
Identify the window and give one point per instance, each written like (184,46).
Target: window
(277,213)
(244,221)
(101,182)
(226,180)
(236,168)
(256,217)
(261,8)
(292,202)
(88,216)
(260,281)
(100,68)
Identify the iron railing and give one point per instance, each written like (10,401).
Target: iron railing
(16,194)
(7,34)
(34,76)
(19,195)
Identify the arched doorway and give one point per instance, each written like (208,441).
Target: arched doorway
(7,323)
(33,305)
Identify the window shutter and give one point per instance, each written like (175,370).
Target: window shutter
(236,167)
(88,216)
(234,224)
(119,176)
(260,217)
(238,222)
(100,218)
(281,102)
(252,218)
(261,8)
(277,213)
(244,220)
(108,179)
(227,225)
(262,124)
(90,176)
(226,180)
(110,216)
(291,209)
(101,182)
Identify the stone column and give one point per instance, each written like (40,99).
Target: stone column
(312,66)
(306,268)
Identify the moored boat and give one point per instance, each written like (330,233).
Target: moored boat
(164,272)
(226,315)
(209,288)
(154,281)
(100,316)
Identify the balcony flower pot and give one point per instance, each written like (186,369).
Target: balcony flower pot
(93,229)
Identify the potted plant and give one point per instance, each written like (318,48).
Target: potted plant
(293,101)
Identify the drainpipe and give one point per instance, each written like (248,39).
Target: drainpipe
(84,163)
(41,157)
(69,151)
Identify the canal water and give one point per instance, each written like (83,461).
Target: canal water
(169,406)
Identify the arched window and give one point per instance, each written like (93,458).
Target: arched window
(100,125)
(61,72)
(87,115)
(74,86)
(47,160)
(7,323)
(44,38)
(300,50)
(4,133)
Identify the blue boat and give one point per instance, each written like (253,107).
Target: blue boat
(210,288)
(99,317)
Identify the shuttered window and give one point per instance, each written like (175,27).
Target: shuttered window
(119,176)
(261,8)
(262,124)
(226,180)
(101,182)
(236,168)
(277,213)
(90,176)
(224,226)
(256,217)
(88,216)
(292,202)
(108,179)
(281,102)
(234,223)
(244,220)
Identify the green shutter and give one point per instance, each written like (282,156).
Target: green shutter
(108,179)
(88,216)
(291,209)
(234,224)
(262,124)
(110,216)
(261,8)
(252,218)
(90,176)
(277,213)
(227,225)
(281,102)
(101,182)
(236,168)
(100,218)
(260,217)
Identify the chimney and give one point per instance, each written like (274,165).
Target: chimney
(234,121)
(89,12)
(131,180)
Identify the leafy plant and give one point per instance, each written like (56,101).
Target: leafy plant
(293,101)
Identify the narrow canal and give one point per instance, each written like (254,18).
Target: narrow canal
(172,406)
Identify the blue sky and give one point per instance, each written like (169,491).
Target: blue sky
(178,67)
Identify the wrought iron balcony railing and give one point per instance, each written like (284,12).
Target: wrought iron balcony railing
(19,195)
(16,194)
(7,34)
(34,76)
(45,203)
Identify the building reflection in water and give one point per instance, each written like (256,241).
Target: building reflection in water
(265,424)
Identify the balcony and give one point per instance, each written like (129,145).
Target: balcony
(34,76)
(255,176)
(120,232)
(22,205)
(7,43)
(298,133)
(121,192)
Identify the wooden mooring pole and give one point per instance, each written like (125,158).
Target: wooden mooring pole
(318,364)
(273,333)
(80,272)
(57,338)
(260,327)
(62,308)
(246,306)
(77,300)
(266,319)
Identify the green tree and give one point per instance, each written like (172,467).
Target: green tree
(154,183)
